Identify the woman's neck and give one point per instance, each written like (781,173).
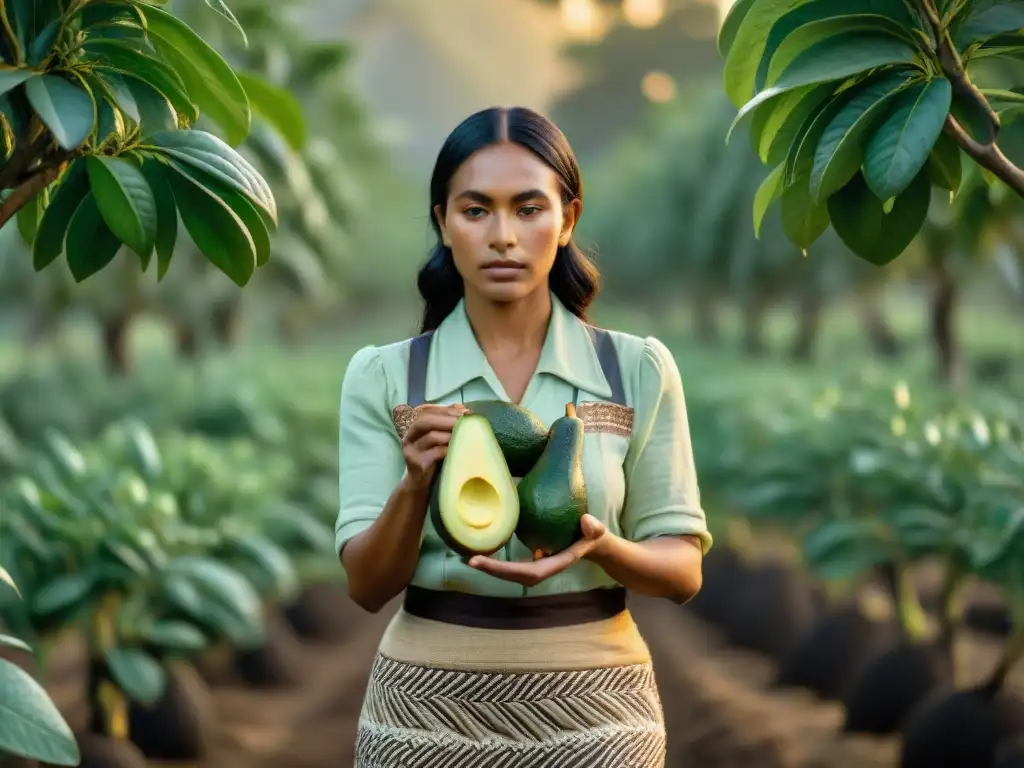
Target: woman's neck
(514,328)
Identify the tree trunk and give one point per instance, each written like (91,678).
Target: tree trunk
(945,297)
(754,311)
(705,317)
(116,334)
(226,322)
(883,338)
(186,339)
(810,311)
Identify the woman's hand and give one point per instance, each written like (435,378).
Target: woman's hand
(426,441)
(530,574)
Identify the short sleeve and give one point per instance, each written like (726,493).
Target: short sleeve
(662,496)
(370,462)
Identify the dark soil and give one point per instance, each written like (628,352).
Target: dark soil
(722,709)
(891,685)
(101,752)
(724,572)
(274,664)
(960,730)
(829,657)
(318,613)
(773,611)
(182,725)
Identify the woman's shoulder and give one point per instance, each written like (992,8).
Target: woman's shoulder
(378,366)
(637,352)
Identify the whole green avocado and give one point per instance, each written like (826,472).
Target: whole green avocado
(521,435)
(553,495)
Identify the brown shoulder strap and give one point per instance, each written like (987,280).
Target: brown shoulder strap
(608,357)
(419,354)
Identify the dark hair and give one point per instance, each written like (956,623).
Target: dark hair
(574,278)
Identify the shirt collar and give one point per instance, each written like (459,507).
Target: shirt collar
(568,353)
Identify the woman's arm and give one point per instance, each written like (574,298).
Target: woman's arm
(667,566)
(380,561)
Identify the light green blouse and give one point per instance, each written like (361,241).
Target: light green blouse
(637,460)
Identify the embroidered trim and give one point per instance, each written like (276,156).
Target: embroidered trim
(609,418)
(403,417)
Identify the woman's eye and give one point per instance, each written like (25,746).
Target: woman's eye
(529,210)
(475,210)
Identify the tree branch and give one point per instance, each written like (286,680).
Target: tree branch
(988,156)
(14,172)
(21,195)
(953,67)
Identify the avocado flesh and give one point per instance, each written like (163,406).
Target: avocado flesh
(553,496)
(520,433)
(475,507)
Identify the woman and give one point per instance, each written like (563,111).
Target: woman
(514,659)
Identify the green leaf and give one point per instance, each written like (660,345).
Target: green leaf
(278,106)
(72,188)
(256,222)
(217,230)
(137,673)
(783,123)
(155,112)
(11,78)
(13,642)
(828,29)
(860,220)
(30,724)
(275,574)
(901,145)
(174,636)
(1000,18)
(767,193)
(731,24)
(122,94)
(844,549)
(66,109)
(62,593)
(804,220)
(5,578)
(217,595)
(221,7)
(209,79)
(210,154)
(834,59)
(125,201)
(840,11)
(166,215)
(129,61)
(91,245)
(840,151)
(945,164)
(748,45)
(29,215)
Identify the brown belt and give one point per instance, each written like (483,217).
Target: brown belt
(535,612)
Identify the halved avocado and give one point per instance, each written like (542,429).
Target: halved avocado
(520,433)
(474,504)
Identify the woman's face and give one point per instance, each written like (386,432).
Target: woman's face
(504,221)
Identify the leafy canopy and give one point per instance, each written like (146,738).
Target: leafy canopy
(863,108)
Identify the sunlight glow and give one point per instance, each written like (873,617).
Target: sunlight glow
(583,19)
(643,14)
(659,87)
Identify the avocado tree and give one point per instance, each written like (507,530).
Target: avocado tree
(99,108)
(863,107)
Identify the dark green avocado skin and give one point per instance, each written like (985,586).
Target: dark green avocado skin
(520,433)
(552,496)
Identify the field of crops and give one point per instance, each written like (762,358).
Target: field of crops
(171,539)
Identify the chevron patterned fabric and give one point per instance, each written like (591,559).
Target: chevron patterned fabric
(426,717)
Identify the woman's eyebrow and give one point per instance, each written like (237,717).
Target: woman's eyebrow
(480,197)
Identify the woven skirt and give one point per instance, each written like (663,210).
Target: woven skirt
(448,696)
